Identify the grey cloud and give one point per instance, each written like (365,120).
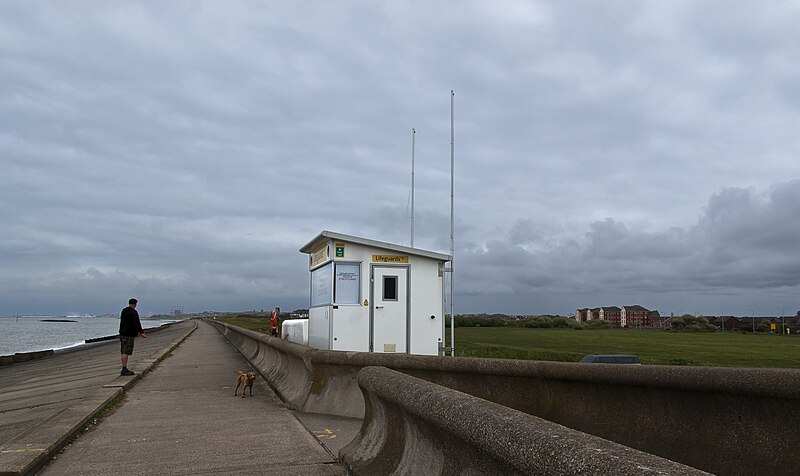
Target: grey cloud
(188,150)
(741,245)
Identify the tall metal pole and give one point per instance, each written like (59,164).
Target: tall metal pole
(413,147)
(783,323)
(452,230)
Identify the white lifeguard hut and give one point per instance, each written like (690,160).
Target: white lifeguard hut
(371,296)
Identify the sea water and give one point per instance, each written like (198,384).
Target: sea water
(28,334)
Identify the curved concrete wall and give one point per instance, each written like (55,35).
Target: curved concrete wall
(723,420)
(412,426)
(283,364)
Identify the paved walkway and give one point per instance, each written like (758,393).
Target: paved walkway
(43,402)
(182,418)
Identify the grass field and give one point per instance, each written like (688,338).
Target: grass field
(258,324)
(652,346)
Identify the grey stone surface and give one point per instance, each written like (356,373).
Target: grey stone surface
(416,427)
(44,401)
(182,418)
(334,432)
(680,413)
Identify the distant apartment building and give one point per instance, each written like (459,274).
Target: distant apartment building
(638,316)
(593,314)
(625,316)
(580,315)
(613,314)
(587,314)
(654,319)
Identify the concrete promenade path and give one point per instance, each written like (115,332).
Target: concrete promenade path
(43,402)
(181,418)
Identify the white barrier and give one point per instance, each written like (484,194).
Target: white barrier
(295,330)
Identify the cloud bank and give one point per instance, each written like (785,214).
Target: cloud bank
(605,154)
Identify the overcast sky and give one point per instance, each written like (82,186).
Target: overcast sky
(607,153)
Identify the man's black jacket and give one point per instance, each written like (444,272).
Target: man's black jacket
(129,325)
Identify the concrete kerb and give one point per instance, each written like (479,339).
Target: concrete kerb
(26,458)
(413,426)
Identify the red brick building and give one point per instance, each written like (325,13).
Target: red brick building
(580,315)
(635,316)
(653,319)
(626,316)
(613,314)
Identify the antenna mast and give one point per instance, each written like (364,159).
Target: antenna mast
(452,231)
(413,147)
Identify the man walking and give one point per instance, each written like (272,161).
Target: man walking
(129,328)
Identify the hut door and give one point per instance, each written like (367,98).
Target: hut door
(389,312)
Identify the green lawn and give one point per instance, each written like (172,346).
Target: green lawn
(652,346)
(254,323)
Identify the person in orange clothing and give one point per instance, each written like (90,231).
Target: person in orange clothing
(273,322)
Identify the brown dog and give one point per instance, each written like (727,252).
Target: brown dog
(244,380)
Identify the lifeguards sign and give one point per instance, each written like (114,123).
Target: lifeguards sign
(389,259)
(320,255)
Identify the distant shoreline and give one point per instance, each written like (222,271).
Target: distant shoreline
(56,320)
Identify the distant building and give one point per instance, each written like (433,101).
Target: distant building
(634,316)
(299,314)
(580,315)
(653,319)
(630,316)
(729,323)
(613,314)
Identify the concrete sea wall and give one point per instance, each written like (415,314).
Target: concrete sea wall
(722,420)
(24,357)
(443,431)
